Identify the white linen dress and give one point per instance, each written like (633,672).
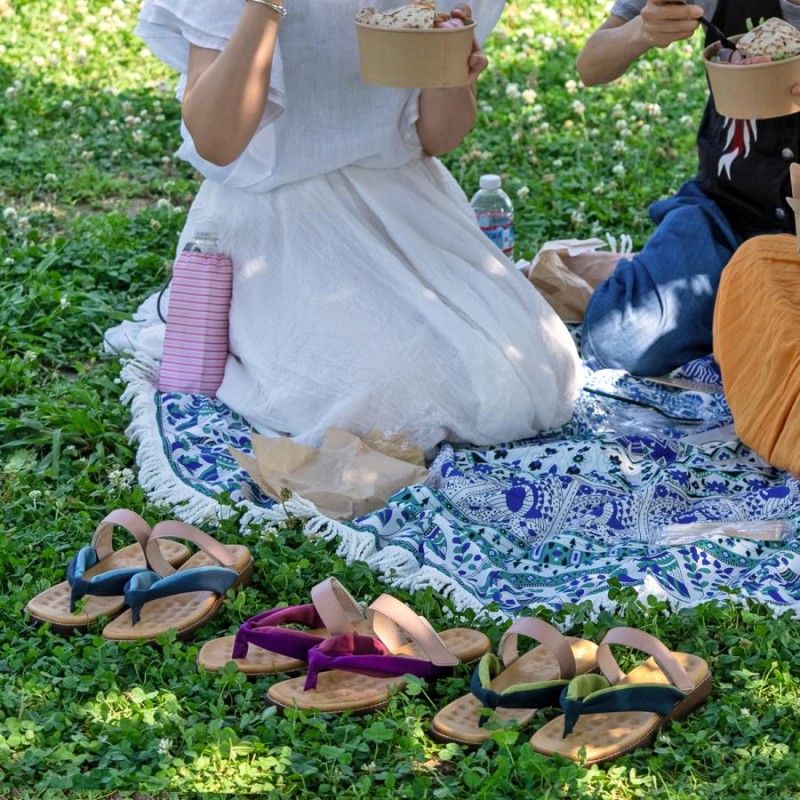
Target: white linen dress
(365,296)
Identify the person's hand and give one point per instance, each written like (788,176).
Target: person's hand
(477,61)
(667,21)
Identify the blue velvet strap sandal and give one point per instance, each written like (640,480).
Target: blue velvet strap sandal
(97,575)
(162,598)
(608,715)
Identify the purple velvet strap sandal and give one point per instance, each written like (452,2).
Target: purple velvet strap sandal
(265,645)
(352,672)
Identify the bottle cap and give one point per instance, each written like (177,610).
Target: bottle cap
(490,182)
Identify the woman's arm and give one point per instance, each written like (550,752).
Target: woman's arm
(616,44)
(446,116)
(226,92)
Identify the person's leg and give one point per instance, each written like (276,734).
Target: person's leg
(655,312)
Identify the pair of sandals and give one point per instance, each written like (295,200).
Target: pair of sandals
(607,712)
(147,588)
(356,659)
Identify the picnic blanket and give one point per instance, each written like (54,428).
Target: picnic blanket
(560,519)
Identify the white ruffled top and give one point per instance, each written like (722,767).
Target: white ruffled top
(301,132)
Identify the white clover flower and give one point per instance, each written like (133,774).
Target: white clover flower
(486,108)
(646,130)
(619,147)
(618,169)
(687,67)
(578,107)
(512,91)
(66,104)
(599,189)
(8,261)
(571,86)
(9,213)
(30,355)
(618,111)
(745,712)
(576,218)
(10,93)
(163,203)
(523,192)
(529,96)
(63,301)
(681,97)
(621,124)
(686,120)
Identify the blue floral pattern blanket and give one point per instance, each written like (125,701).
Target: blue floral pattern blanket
(555,520)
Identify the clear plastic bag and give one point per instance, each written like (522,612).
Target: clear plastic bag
(762,530)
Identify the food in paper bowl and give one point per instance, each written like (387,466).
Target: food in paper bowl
(414,46)
(755,80)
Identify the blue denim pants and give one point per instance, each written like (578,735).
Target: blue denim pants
(655,311)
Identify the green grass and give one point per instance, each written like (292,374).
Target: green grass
(91,203)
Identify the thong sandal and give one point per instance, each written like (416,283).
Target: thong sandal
(264,646)
(162,598)
(512,688)
(97,575)
(358,673)
(611,714)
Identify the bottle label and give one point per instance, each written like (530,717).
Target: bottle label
(501,233)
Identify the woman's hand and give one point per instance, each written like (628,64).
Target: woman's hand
(666,21)
(477,60)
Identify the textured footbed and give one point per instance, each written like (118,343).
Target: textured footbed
(52,605)
(460,720)
(184,612)
(609,736)
(339,691)
(216,653)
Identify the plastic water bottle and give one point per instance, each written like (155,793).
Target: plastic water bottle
(495,213)
(196,339)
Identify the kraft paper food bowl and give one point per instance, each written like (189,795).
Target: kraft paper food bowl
(753,91)
(414,58)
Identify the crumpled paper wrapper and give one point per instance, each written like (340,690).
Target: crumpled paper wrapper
(567,271)
(346,477)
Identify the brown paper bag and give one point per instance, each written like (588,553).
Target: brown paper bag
(567,272)
(345,478)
